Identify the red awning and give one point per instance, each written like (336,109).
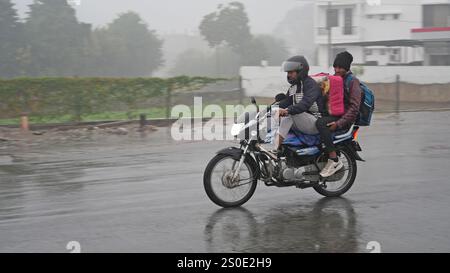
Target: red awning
(430,29)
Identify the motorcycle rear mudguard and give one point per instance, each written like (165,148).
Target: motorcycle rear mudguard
(353,147)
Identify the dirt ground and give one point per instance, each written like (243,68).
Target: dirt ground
(12,136)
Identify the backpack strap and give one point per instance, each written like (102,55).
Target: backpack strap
(347,81)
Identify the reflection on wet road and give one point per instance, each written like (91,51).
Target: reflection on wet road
(328,225)
(124,194)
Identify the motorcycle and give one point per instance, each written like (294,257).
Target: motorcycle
(231,177)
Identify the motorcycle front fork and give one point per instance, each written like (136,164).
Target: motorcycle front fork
(241,161)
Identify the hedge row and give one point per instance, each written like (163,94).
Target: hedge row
(79,96)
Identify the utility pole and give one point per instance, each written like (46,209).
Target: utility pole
(397,94)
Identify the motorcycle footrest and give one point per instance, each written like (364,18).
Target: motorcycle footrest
(304,185)
(310,173)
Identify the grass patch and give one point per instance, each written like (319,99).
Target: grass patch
(151,113)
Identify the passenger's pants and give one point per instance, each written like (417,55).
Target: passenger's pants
(304,122)
(325,134)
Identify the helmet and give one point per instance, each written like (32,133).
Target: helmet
(299,64)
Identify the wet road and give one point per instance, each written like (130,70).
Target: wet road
(145,194)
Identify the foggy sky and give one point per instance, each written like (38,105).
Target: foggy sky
(177,16)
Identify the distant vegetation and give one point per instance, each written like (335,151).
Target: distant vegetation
(75,98)
(53,43)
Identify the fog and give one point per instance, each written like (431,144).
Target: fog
(177,16)
(277,29)
(134,38)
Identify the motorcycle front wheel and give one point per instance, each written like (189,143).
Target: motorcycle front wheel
(223,186)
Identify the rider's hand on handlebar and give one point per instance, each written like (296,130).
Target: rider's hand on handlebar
(282,112)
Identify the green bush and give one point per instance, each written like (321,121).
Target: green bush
(82,96)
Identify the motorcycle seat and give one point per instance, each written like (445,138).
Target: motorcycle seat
(341,134)
(297,138)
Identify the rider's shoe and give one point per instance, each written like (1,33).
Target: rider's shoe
(274,153)
(331,168)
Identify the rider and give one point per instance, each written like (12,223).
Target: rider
(303,103)
(328,124)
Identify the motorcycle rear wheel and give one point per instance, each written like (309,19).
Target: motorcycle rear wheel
(350,166)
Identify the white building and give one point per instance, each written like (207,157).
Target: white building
(435,32)
(383,32)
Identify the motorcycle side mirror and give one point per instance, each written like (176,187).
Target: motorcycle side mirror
(253,100)
(280,97)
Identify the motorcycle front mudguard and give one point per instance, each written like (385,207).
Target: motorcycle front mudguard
(236,154)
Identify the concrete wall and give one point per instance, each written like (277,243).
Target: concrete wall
(438,93)
(420,83)
(410,74)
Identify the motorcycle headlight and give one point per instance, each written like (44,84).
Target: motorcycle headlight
(237,128)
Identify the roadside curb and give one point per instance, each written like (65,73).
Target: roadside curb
(161,122)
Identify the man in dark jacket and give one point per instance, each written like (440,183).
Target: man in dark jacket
(328,124)
(303,103)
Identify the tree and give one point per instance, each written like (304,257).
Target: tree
(57,41)
(126,47)
(229,24)
(10,40)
